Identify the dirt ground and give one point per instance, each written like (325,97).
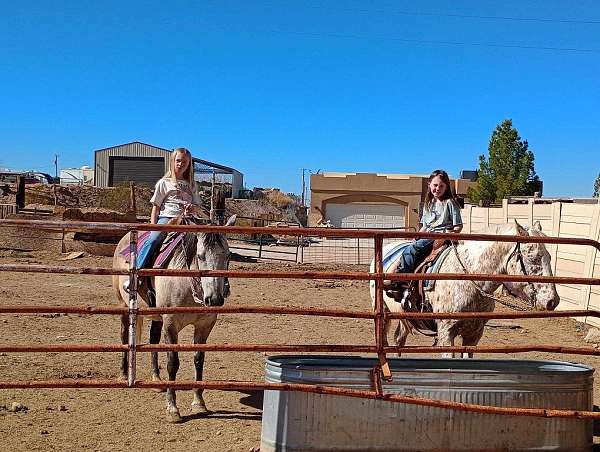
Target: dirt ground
(125,420)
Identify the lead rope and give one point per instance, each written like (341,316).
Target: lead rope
(506,303)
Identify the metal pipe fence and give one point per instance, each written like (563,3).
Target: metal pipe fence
(267,246)
(379,315)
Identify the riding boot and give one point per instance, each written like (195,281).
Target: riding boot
(145,285)
(406,301)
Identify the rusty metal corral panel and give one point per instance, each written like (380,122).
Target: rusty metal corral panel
(295,421)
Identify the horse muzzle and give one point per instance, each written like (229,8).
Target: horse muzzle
(552,303)
(214,301)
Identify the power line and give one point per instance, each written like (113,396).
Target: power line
(426,41)
(469,16)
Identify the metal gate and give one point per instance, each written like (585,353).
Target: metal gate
(378,315)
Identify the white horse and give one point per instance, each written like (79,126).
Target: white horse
(495,258)
(204,251)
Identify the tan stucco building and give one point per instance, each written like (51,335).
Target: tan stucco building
(366,200)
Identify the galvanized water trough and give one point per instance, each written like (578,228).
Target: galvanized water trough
(297,421)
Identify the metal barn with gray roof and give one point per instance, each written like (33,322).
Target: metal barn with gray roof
(145,164)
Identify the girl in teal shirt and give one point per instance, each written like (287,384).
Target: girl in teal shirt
(441,213)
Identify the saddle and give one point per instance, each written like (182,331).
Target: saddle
(411,294)
(159,259)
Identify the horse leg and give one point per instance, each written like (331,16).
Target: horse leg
(155,332)
(200,336)
(446,337)
(172,368)
(124,341)
(400,335)
(471,339)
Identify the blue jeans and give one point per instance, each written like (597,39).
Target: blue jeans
(414,254)
(151,245)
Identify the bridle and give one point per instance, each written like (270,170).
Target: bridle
(519,255)
(197,281)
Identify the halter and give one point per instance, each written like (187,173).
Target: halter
(196,281)
(516,251)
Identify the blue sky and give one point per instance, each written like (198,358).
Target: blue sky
(270,87)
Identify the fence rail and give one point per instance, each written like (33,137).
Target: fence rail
(7,209)
(379,372)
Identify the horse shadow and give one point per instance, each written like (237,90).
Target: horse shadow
(235,257)
(253,399)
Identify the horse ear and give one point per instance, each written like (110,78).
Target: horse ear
(537,226)
(520,229)
(231,220)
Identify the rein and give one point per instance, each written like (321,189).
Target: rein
(195,279)
(516,251)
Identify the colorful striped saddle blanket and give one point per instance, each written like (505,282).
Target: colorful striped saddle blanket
(165,252)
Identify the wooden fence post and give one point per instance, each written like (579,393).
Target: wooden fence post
(132,204)
(530,204)
(20,197)
(468,216)
(556,215)
(590,258)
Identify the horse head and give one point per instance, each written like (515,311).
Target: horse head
(212,252)
(532,259)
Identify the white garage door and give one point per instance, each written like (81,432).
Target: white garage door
(355,215)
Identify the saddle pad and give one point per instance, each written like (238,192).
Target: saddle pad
(166,248)
(429,284)
(391,259)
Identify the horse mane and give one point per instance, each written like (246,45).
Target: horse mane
(212,238)
(501,229)
(185,254)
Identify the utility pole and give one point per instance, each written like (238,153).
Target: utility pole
(303,186)
(213,204)
(56,166)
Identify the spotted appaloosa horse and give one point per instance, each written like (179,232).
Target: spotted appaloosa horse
(496,258)
(204,251)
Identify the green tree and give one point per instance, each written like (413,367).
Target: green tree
(597,187)
(509,168)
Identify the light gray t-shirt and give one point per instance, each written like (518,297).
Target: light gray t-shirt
(441,216)
(171,196)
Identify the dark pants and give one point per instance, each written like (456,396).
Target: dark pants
(414,254)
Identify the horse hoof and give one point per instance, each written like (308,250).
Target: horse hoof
(199,408)
(174,417)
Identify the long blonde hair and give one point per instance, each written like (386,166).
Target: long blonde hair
(188,175)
